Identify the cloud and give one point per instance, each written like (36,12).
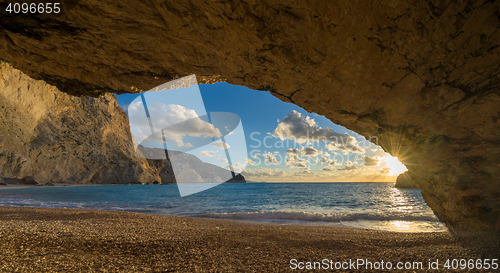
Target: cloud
(309,151)
(328,169)
(297,165)
(325,159)
(186,121)
(304,151)
(270,158)
(257,155)
(335,163)
(385,171)
(208,153)
(223,160)
(348,163)
(293,160)
(305,129)
(348,168)
(263,172)
(219,144)
(371,161)
(238,167)
(249,161)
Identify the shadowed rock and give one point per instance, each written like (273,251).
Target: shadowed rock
(404,181)
(26,180)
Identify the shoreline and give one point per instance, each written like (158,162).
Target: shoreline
(261,221)
(45,239)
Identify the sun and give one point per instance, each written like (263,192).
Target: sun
(395,167)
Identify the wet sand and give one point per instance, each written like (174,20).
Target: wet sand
(71,240)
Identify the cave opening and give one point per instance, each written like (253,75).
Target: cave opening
(280,137)
(285,146)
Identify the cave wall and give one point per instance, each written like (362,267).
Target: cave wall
(422,76)
(59,138)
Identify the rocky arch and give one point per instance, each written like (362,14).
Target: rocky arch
(423,76)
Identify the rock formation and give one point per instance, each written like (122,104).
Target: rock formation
(52,137)
(422,76)
(404,181)
(27,180)
(59,138)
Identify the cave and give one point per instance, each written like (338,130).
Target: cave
(423,76)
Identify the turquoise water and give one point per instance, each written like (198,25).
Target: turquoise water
(359,205)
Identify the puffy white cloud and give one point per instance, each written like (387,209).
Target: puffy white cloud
(345,148)
(257,155)
(329,161)
(219,144)
(335,163)
(249,161)
(270,158)
(348,163)
(291,158)
(371,161)
(329,169)
(297,165)
(186,121)
(304,151)
(208,153)
(309,151)
(325,159)
(223,160)
(305,129)
(348,168)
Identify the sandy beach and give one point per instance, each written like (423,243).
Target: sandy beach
(71,240)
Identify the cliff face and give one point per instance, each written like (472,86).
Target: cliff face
(404,181)
(59,138)
(422,76)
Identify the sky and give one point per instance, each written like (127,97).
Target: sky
(257,135)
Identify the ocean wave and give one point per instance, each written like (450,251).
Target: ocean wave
(315,217)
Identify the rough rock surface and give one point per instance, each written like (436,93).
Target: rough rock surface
(27,180)
(405,181)
(422,76)
(59,138)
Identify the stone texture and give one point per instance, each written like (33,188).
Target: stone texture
(404,181)
(422,76)
(59,138)
(27,180)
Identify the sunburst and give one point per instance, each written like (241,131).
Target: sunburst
(395,167)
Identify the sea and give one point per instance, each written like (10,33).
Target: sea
(378,206)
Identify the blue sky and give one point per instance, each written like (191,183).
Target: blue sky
(265,120)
